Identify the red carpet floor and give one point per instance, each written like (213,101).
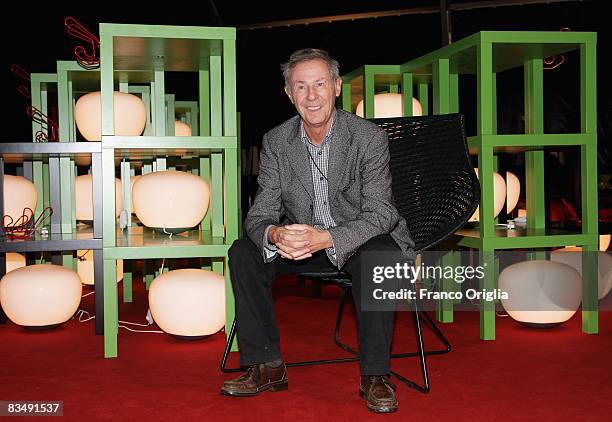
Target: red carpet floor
(526,374)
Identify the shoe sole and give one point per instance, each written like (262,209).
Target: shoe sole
(273,387)
(378,409)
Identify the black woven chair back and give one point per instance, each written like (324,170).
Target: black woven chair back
(434,185)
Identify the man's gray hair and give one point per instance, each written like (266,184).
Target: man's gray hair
(307,54)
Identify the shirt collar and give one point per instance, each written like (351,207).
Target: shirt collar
(327,138)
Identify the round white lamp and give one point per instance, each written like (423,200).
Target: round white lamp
(85,267)
(390,105)
(170,201)
(604,242)
(188,303)
(572,256)
(181,129)
(132,181)
(19,194)
(14,261)
(40,296)
(84,198)
(499,197)
(513,191)
(541,293)
(129,114)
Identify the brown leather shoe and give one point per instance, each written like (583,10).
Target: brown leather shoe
(379,393)
(256,379)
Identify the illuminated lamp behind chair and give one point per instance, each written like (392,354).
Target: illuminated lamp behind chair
(188,303)
(85,267)
(19,193)
(541,293)
(390,105)
(181,129)
(14,261)
(604,242)
(499,196)
(84,198)
(170,201)
(40,296)
(129,115)
(513,191)
(572,256)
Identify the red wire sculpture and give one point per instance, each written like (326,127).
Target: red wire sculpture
(47,124)
(551,63)
(86,60)
(25,226)
(21,73)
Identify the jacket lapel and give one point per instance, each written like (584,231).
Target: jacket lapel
(297,155)
(338,152)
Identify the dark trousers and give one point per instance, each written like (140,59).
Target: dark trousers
(258,335)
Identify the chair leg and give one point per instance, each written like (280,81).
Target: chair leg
(228,348)
(421,353)
(343,346)
(422,357)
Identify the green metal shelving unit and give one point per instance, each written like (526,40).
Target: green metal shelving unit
(485,54)
(147,51)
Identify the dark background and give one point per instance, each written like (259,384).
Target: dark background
(34,37)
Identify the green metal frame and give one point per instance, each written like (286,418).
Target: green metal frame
(40,86)
(368,80)
(485,54)
(211,53)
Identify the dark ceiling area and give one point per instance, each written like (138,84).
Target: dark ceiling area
(36,39)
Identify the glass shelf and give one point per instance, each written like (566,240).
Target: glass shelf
(145,243)
(81,238)
(521,238)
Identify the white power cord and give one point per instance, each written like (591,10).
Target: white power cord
(150,322)
(165,232)
(84,316)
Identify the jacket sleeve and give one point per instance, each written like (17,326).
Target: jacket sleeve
(267,206)
(378,214)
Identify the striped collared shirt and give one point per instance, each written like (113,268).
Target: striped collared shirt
(321,214)
(319,160)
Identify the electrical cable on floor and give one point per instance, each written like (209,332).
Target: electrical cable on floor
(81,313)
(84,316)
(139,331)
(87,294)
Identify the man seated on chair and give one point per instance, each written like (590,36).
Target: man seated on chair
(324,199)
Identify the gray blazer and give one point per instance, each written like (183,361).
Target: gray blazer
(360,197)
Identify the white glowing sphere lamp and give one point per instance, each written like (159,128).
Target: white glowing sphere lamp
(84,198)
(170,201)
(19,194)
(130,115)
(541,293)
(40,296)
(390,105)
(188,302)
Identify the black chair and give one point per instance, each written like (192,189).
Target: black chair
(436,191)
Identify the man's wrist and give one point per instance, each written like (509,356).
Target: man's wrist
(271,231)
(328,243)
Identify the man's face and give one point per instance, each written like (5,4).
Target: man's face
(313,92)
